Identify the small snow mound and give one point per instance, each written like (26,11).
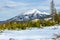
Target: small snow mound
(35,20)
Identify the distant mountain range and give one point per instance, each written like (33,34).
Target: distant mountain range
(30,15)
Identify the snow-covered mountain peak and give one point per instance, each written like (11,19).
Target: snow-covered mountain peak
(32,11)
(35,11)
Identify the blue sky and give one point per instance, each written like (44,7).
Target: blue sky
(11,8)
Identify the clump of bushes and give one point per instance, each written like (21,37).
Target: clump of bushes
(22,25)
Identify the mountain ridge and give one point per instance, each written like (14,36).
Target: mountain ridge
(35,11)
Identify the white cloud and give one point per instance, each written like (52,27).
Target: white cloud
(10,3)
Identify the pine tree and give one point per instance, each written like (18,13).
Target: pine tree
(53,10)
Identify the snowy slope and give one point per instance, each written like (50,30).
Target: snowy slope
(47,33)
